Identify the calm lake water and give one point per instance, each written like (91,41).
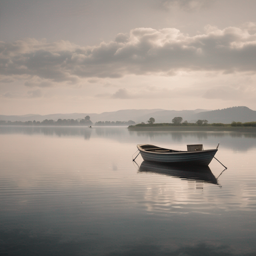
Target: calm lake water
(76,191)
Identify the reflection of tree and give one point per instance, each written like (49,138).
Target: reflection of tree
(112,123)
(87,134)
(177,136)
(201,135)
(239,141)
(237,135)
(108,132)
(235,141)
(49,131)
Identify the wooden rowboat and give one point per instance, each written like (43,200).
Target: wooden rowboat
(195,155)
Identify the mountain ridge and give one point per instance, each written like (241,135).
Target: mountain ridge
(226,115)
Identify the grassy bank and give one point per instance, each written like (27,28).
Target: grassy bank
(209,127)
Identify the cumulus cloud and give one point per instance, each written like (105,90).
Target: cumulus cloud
(122,38)
(121,94)
(143,51)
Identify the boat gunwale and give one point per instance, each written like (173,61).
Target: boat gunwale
(172,153)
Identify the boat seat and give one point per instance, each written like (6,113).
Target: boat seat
(195,147)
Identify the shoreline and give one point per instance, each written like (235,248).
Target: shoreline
(193,128)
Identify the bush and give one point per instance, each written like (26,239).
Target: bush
(236,124)
(218,124)
(151,120)
(201,122)
(253,124)
(177,120)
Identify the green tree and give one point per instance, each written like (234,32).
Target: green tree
(86,121)
(177,120)
(151,120)
(236,124)
(199,122)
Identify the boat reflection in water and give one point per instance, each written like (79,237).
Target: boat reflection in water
(196,173)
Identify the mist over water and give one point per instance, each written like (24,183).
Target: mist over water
(76,191)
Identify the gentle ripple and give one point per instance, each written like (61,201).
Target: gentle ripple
(75,191)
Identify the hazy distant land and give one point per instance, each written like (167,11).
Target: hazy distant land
(66,122)
(163,118)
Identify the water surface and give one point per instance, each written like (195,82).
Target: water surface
(76,191)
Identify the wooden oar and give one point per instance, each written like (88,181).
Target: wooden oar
(221,163)
(135,157)
(218,160)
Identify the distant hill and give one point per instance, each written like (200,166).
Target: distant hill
(228,115)
(120,115)
(40,118)
(166,116)
(136,115)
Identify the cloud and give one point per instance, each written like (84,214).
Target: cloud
(223,92)
(243,89)
(121,94)
(92,81)
(152,93)
(34,94)
(6,80)
(143,51)
(38,83)
(187,5)
(8,95)
(122,38)
(28,94)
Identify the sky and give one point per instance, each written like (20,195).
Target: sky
(93,56)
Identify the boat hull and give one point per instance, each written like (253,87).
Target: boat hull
(185,158)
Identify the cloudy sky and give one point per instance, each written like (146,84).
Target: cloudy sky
(92,56)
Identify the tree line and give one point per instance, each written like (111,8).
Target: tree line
(46,122)
(179,121)
(176,121)
(67,122)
